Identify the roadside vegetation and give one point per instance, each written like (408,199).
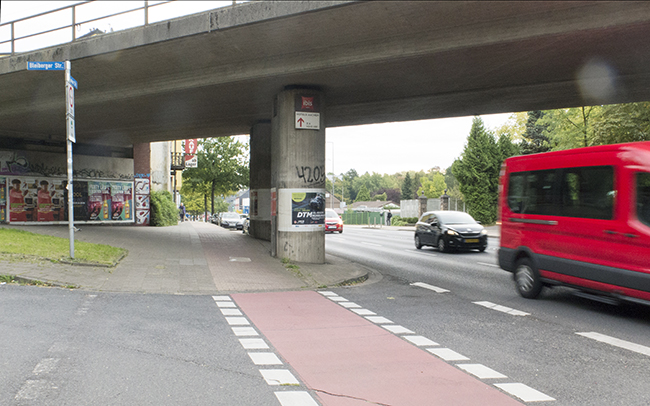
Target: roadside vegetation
(163,210)
(24,245)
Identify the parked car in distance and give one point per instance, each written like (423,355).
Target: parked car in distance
(232,220)
(215,218)
(450,231)
(333,222)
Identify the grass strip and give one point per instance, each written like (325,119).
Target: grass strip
(19,242)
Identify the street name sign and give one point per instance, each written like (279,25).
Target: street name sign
(45,65)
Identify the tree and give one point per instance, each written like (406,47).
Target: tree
(477,172)
(363,195)
(570,128)
(408,190)
(433,186)
(348,184)
(622,123)
(535,137)
(380,197)
(222,168)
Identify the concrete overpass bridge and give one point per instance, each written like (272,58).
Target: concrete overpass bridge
(246,69)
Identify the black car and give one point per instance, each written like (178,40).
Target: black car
(450,230)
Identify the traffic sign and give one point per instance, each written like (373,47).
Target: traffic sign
(72,136)
(69,99)
(74,82)
(307,121)
(45,65)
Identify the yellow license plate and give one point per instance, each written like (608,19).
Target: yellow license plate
(472,240)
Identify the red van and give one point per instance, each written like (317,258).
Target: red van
(578,218)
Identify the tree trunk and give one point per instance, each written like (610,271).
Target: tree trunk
(212,198)
(205,207)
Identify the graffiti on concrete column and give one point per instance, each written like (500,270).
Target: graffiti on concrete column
(311,174)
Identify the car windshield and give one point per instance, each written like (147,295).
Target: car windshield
(455,217)
(331,214)
(230,216)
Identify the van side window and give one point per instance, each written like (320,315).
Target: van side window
(588,192)
(643,197)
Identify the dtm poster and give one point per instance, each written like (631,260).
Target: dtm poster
(307,208)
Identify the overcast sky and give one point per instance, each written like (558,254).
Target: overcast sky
(382,148)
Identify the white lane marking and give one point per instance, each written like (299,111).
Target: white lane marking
(33,389)
(398,329)
(231,312)
(421,253)
(379,320)
(481,371)
(486,264)
(640,349)
(502,309)
(237,321)
(364,312)
(296,398)
(524,392)
(225,304)
(371,244)
(221,298)
(244,331)
(253,343)
(337,299)
(430,287)
(279,377)
(45,366)
(447,355)
(350,305)
(327,293)
(264,358)
(420,341)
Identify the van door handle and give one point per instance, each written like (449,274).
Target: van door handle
(631,235)
(610,232)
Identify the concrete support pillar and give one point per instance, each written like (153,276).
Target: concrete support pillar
(298,175)
(260,181)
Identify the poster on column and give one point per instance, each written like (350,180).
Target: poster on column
(99,201)
(23,198)
(307,208)
(121,201)
(50,199)
(80,201)
(3,199)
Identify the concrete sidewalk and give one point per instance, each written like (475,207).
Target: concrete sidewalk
(189,258)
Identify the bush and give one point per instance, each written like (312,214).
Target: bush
(402,221)
(163,210)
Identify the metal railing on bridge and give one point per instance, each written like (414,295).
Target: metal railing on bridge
(49,23)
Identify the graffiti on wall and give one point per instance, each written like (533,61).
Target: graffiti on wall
(142,207)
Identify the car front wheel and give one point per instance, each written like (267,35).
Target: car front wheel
(418,244)
(442,245)
(527,279)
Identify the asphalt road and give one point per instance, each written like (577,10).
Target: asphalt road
(565,346)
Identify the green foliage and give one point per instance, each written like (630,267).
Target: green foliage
(363,195)
(536,138)
(382,197)
(433,186)
(402,221)
(619,123)
(163,210)
(477,172)
(408,189)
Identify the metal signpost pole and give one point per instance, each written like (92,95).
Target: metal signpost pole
(70,137)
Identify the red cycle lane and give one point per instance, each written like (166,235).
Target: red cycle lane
(349,361)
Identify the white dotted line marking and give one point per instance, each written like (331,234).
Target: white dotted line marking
(273,377)
(430,287)
(524,392)
(627,345)
(379,320)
(447,355)
(481,371)
(502,309)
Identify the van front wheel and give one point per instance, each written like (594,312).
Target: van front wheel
(527,279)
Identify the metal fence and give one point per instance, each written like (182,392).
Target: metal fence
(372,218)
(411,208)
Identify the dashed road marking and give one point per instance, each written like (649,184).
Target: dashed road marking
(447,355)
(225,304)
(264,358)
(502,309)
(46,365)
(364,312)
(640,349)
(295,398)
(350,305)
(481,371)
(371,244)
(379,320)
(420,341)
(231,312)
(244,331)
(430,287)
(253,343)
(237,321)
(491,265)
(279,377)
(395,329)
(524,392)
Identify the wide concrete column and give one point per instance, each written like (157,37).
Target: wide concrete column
(298,175)
(260,181)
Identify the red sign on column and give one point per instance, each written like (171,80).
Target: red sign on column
(191,146)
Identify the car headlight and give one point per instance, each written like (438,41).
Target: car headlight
(483,232)
(451,232)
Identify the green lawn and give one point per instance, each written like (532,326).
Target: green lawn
(18,242)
